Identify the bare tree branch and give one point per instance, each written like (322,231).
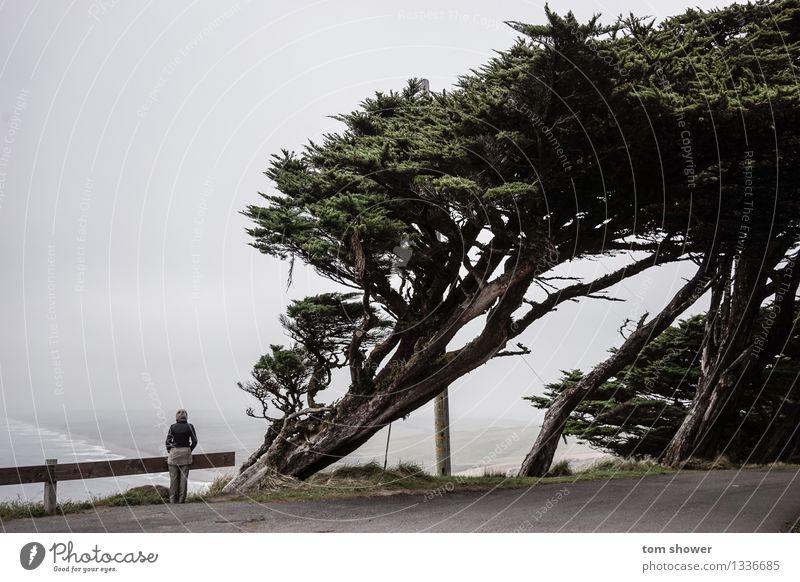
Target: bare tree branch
(539,309)
(523,350)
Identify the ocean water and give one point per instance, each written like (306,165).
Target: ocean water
(477,447)
(24,443)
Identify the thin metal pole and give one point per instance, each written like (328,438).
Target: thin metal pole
(386,454)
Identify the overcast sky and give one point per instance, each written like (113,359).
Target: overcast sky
(133,134)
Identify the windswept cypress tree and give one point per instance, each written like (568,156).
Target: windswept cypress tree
(440,210)
(417,207)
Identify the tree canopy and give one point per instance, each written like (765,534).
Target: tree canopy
(440,209)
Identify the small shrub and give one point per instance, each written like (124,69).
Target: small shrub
(603,465)
(407,469)
(145,495)
(369,470)
(493,472)
(560,469)
(623,465)
(217,485)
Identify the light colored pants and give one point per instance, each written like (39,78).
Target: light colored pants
(178,479)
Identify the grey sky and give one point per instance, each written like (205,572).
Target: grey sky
(133,133)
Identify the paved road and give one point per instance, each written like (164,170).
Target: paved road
(718,501)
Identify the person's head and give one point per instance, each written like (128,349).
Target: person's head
(181,415)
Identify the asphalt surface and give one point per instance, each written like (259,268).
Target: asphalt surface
(716,501)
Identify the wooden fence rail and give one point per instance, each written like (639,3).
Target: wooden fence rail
(51,472)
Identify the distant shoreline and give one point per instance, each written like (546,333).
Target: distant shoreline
(478,449)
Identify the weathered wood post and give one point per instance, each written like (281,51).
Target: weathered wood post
(50,486)
(441,415)
(441,404)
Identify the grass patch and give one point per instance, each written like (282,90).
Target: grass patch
(213,490)
(360,472)
(143,495)
(560,469)
(217,485)
(411,469)
(615,467)
(695,464)
(370,479)
(18,509)
(26,509)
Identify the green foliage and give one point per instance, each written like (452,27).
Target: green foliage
(279,379)
(607,125)
(324,324)
(323,327)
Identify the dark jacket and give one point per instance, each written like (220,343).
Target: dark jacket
(181,434)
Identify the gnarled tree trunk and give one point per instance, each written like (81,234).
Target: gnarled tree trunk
(309,444)
(419,369)
(727,358)
(778,441)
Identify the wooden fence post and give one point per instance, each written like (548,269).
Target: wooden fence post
(50,486)
(441,418)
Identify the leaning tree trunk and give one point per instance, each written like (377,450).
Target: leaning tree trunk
(726,358)
(768,342)
(538,461)
(419,370)
(272,433)
(311,443)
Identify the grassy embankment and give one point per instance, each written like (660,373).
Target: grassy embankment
(370,480)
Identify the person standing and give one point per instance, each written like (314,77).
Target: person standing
(181,441)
